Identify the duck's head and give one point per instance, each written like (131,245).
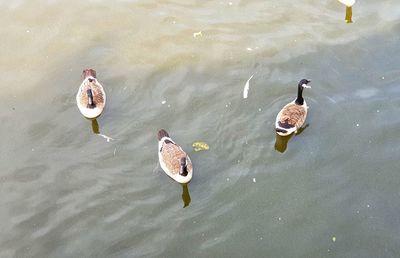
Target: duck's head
(89,76)
(183,171)
(88,73)
(303,83)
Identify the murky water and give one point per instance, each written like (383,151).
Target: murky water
(182,65)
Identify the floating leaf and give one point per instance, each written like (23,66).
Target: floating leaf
(199,146)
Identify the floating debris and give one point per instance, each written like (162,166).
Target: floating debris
(246,88)
(106,137)
(197,34)
(199,146)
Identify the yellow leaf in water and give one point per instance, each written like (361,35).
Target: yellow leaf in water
(199,146)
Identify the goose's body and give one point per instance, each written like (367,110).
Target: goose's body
(348,3)
(173,160)
(293,115)
(91,98)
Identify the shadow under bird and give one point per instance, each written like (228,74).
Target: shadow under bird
(293,115)
(173,160)
(91,98)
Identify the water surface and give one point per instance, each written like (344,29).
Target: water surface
(67,192)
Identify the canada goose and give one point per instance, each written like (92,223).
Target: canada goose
(91,97)
(173,160)
(293,115)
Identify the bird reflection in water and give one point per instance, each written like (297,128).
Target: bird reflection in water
(349,11)
(96,130)
(185,195)
(95,126)
(349,14)
(282,141)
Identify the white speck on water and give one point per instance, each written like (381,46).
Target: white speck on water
(238,160)
(174,22)
(368,206)
(357,125)
(197,34)
(169,105)
(383,77)
(334,239)
(254,179)
(230,3)
(115,150)
(249,49)
(259,110)
(28,31)
(377,111)
(124,88)
(358,212)
(33,149)
(279,218)
(163,102)
(227,179)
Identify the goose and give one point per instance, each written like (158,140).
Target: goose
(91,97)
(293,115)
(173,160)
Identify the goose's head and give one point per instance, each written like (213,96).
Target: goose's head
(88,73)
(304,83)
(183,171)
(89,77)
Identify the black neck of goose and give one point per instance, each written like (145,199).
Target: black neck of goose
(90,99)
(183,171)
(299,99)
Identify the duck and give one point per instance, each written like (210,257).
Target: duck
(293,115)
(91,98)
(348,3)
(173,160)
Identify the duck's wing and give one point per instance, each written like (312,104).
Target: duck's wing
(292,115)
(97,91)
(171,154)
(99,97)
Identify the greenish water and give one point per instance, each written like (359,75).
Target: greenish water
(67,192)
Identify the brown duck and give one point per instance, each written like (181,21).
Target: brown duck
(91,97)
(173,160)
(293,115)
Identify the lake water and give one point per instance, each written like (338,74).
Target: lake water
(331,191)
